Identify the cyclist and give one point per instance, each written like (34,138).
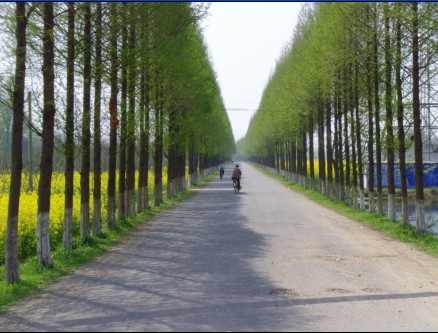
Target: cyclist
(237,174)
(221,170)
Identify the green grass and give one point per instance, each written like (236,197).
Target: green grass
(33,277)
(396,230)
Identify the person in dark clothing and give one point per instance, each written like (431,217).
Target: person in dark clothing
(237,174)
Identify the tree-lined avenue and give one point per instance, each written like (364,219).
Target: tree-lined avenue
(266,259)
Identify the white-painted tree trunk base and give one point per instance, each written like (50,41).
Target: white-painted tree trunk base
(379,203)
(171,189)
(97,218)
(11,255)
(67,242)
(362,199)
(85,220)
(111,211)
(355,199)
(421,221)
(158,197)
(391,207)
(372,203)
(43,240)
(405,211)
(322,188)
(130,202)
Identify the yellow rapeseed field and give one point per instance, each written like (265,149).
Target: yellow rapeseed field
(27,222)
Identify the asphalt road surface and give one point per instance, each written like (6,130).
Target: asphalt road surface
(265,259)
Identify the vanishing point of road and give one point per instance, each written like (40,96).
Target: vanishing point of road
(266,259)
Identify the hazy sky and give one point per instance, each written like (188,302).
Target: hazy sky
(245,40)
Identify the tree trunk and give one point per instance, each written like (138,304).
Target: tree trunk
(67,235)
(419,190)
(347,150)
(192,163)
(299,160)
(294,160)
(329,152)
(30,145)
(359,140)
(147,136)
(159,123)
(389,119)
(130,165)
(377,118)
(304,160)
(124,128)
(352,103)
(321,154)
(338,147)
(142,172)
(46,165)
(341,188)
(173,151)
(11,257)
(370,134)
(97,200)
(86,121)
(111,209)
(369,82)
(401,130)
(311,154)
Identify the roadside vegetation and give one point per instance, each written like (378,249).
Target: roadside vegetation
(380,222)
(34,277)
(107,110)
(351,107)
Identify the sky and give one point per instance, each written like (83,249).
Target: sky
(245,40)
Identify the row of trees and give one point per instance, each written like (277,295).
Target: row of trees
(346,96)
(122,84)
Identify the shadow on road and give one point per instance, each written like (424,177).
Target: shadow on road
(190,268)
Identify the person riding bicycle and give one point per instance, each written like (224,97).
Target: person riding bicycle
(221,170)
(237,174)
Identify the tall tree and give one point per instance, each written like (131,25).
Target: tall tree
(46,165)
(321,155)
(131,121)
(370,110)
(419,187)
(329,151)
(86,123)
(389,117)
(143,109)
(158,142)
(347,144)
(311,152)
(358,127)
(352,104)
(123,111)
(143,200)
(400,118)
(377,113)
(114,121)
(69,131)
(11,258)
(98,67)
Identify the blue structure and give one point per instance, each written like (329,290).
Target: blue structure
(430,175)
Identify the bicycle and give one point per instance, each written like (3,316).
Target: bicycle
(236,188)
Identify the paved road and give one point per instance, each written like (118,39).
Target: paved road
(266,259)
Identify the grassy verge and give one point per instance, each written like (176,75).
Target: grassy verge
(33,278)
(396,230)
